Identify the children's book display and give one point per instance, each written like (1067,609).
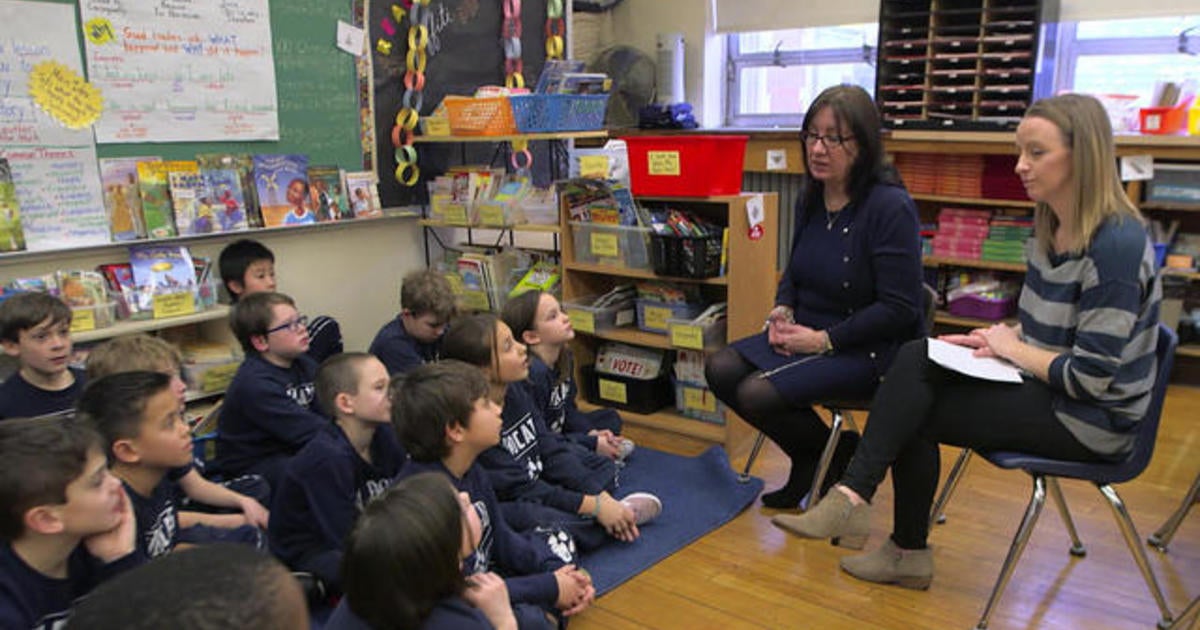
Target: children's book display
(122,200)
(227,199)
(153,187)
(281,182)
(362,190)
(12,236)
(326,186)
(167,275)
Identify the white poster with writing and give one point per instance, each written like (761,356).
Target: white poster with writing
(53,167)
(182,70)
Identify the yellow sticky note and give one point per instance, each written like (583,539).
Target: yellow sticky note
(604,245)
(476,300)
(699,399)
(491,215)
(174,304)
(656,317)
(582,321)
(64,95)
(436,126)
(663,162)
(614,391)
(83,319)
(687,336)
(594,166)
(455,213)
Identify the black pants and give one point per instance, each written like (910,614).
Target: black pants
(921,404)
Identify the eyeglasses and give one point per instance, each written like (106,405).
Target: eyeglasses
(294,325)
(831,140)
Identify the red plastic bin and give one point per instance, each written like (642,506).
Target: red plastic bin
(686,166)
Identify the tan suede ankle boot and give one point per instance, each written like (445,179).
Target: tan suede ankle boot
(833,517)
(889,564)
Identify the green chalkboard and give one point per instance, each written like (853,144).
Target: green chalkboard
(316,89)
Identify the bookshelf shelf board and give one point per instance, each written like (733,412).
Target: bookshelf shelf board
(974,201)
(524,227)
(631,335)
(559,135)
(1181,273)
(1188,350)
(938,261)
(128,327)
(942,317)
(191,395)
(669,420)
(640,273)
(1171,207)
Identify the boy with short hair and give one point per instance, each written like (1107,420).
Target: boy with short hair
(244,494)
(350,462)
(270,409)
(65,522)
(150,447)
(445,420)
(36,329)
(247,266)
(414,336)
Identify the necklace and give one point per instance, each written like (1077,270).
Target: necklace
(831,218)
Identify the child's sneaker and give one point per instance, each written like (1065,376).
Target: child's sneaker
(646,507)
(625,446)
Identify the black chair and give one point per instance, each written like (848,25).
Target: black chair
(1104,474)
(841,412)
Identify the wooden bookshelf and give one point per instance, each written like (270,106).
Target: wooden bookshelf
(938,261)
(131,326)
(644,274)
(974,201)
(558,135)
(523,227)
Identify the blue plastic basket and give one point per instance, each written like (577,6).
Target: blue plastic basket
(547,113)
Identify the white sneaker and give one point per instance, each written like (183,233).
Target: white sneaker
(625,447)
(646,507)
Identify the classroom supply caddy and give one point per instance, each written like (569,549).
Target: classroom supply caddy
(686,165)
(480,116)
(629,377)
(550,113)
(611,245)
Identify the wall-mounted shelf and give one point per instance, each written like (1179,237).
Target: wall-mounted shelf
(131,326)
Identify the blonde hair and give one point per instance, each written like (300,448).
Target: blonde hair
(132,352)
(1098,193)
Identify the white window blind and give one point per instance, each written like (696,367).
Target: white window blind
(735,16)
(1081,10)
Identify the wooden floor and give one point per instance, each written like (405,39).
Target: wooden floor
(748,574)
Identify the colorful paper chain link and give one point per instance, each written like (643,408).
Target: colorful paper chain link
(419,16)
(556,28)
(510,36)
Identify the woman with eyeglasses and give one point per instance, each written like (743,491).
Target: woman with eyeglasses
(849,297)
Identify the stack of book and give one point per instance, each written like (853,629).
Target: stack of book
(1006,239)
(960,176)
(961,233)
(919,171)
(1000,180)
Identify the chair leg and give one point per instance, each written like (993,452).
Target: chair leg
(814,493)
(1133,541)
(1161,538)
(1077,548)
(938,514)
(758,444)
(1189,613)
(1036,500)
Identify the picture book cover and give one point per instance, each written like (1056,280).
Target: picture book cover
(162,269)
(281,181)
(119,178)
(227,198)
(552,74)
(243,164)
(131,303)
(328,194)
(157,212)
(189,198)
(363,193)
(12,236)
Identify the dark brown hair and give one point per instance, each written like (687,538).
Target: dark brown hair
(431,398)
(26,310)
(251,317)
(41,457)
(520,313)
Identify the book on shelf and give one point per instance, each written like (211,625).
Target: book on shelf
(584,83)
(165,270)
(131,303)
(119,177)
(84,291)
(190,199)
(552,74)
(326,186)
(281,183)
(12,235)
(243,165)
(155,192)
(228,199)
(362,189)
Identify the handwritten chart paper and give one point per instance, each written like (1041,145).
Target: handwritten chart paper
(182,70)
(53,167)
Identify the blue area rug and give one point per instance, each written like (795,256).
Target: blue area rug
(699,494)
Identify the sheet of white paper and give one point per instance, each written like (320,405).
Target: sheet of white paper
(1137,168)
(350,38)
(960,359)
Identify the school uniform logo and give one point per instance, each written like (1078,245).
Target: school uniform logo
(302,393)
(560,542)
(369,490)
(558,411)
(483,553)
(520,440)
(160,538)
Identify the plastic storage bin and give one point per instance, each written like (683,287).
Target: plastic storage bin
(1163,120)
(686,256)
(84,318)
(685,334)
(627,393)
(1174,183)
(652,316)
(489,116)
(686,166)
(695,400)
(589,319)
(983,307)
(549,113)
(613,245)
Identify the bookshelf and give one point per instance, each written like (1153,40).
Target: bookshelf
(747,289)
(132,326)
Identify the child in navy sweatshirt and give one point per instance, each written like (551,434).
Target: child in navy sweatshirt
(270,410)
(536,474)
(353,460)
(446,420)
(414,336)
(65,521)
(538,321)
(35,328)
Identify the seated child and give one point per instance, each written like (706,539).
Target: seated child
(414,336)
(270,409)
(36,329)
(537,320)
(532,465)
(207,588)
(403,565)
(446,420)
(65,521)
(149,448)
(247,266)
(353,460)
(243,494)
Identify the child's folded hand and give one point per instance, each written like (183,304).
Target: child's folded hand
(255,513)
(488,593)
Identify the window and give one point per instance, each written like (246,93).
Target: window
(1146,51)
(772,76)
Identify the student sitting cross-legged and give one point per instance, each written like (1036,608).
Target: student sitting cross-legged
(344,466)
(64,519)
(414,337)
(270,409)
(35,328)
(150,447)
(445,420)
